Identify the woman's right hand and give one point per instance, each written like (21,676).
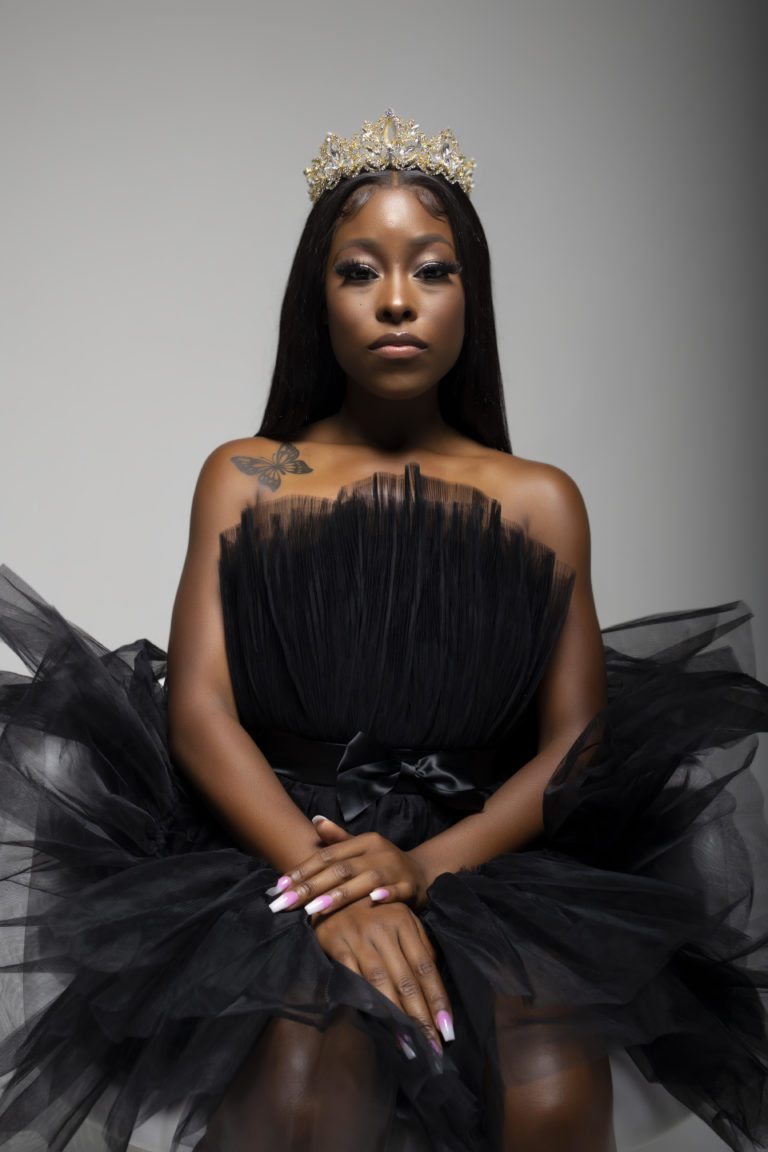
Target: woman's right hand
(389,947)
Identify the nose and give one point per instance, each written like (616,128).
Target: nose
(395,302)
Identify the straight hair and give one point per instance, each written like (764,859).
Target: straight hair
(308,383)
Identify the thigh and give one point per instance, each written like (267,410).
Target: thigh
(303,1090)
(556,1079)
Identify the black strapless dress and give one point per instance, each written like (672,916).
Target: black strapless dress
(403,628)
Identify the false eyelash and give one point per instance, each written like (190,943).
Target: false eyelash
(348,265)
(448,267)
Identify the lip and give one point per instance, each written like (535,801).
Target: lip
(398,340)
(398,351)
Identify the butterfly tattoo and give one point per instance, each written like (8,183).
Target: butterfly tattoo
(269,471)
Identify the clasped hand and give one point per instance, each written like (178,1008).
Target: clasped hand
(348,870)
(391,949)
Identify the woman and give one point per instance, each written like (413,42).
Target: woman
(420,846)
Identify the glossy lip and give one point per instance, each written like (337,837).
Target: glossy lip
(397,340)
(398,352)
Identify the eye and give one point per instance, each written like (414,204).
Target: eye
(349,269)
(357,272)
(439,269)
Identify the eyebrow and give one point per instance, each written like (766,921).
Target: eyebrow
(414,242)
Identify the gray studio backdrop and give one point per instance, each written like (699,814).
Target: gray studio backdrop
(152,196)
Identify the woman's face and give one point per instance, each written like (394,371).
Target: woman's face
(392,271)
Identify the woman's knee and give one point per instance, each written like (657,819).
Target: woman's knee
(558,1090)
(333,1094)
(270,1101)
(569,1108)
(285,1093)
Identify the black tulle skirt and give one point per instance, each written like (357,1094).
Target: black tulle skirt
(141,967)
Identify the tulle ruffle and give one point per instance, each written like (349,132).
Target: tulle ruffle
(141,964)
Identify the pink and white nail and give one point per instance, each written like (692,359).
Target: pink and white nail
(445,1024)
(283,883)
(284,901)
(319,904)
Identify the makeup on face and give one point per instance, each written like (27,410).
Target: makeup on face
(394,294)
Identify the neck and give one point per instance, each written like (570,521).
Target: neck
(392,425)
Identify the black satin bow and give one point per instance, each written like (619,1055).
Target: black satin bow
(369,769)
(364,769)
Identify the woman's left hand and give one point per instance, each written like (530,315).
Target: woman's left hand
(348,868)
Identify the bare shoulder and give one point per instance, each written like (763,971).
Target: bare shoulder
(248,455)
(550,502)
(228,478)
(231,463)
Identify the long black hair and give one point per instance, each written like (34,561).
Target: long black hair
(308,383)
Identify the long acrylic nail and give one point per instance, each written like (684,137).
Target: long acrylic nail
(435,1045)
(283,883)
(284,901)
(409,1052)
(319,904)
(445,1024)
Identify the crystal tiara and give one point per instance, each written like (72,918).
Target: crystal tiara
(388,142)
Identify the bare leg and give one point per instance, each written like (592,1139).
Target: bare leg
(302,1090)
(558,1097)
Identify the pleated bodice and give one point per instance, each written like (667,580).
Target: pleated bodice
(406,606)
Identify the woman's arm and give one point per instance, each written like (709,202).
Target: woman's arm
(206,738)
(572,690)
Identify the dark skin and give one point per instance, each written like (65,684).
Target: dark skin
(391,268)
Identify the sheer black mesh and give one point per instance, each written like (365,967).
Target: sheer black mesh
(141,969)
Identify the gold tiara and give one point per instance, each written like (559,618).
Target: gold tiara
(389,142)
